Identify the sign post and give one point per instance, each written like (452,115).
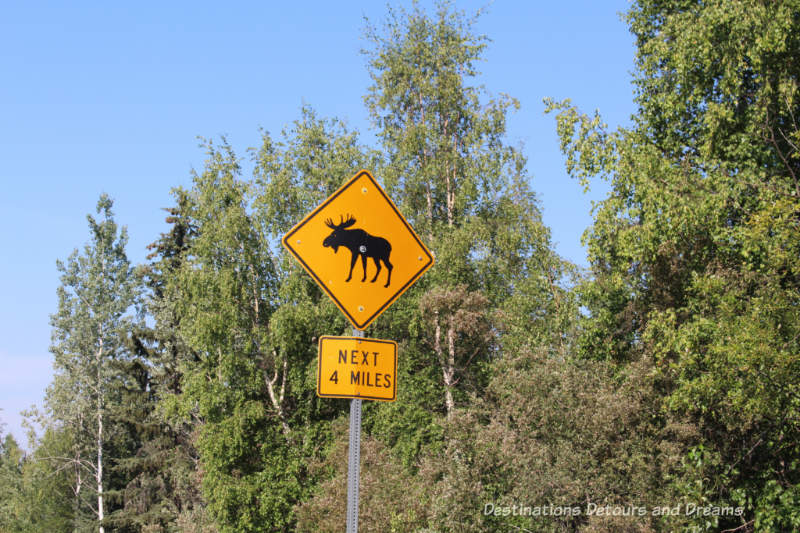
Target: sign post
(354,459)
(358,218)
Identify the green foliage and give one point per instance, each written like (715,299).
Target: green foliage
(464,190)
(250,318)
(10,482)
(224,291)
(691,252)
(677,385)
(158,488)
(295,175)
(391,500)
(35,489)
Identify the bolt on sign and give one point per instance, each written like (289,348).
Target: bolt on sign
(359,249)
(357,367)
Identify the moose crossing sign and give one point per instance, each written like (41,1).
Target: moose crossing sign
(359,249)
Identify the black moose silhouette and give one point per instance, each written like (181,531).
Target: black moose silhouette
(360,243)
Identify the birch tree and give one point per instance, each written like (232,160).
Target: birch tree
(450,170)
(96,303)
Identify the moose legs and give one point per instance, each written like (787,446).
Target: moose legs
(353,263)
(364,268)
(378,266)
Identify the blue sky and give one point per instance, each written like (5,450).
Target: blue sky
(110,97)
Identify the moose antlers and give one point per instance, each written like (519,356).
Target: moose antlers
(342,223)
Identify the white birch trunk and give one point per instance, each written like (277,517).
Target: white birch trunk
(277,401)
(99,473)
(447,364)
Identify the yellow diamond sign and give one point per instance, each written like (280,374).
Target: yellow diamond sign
(355,367)
(359,249)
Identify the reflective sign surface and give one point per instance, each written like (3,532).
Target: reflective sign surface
(356,367)
(359,249)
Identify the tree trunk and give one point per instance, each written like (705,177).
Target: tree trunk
(429,212)
(100,514)
(450,368)
(277,401)
(447,364)
(100,510)
(78,486)
(450,196)
(450,372)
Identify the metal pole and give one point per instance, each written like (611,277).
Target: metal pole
(354,459)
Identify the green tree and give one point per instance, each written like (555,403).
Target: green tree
(464,189)
(11,457)
(97,302)
(695,253)
(45,499)
(224,292)
(162,491)
(250,317)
